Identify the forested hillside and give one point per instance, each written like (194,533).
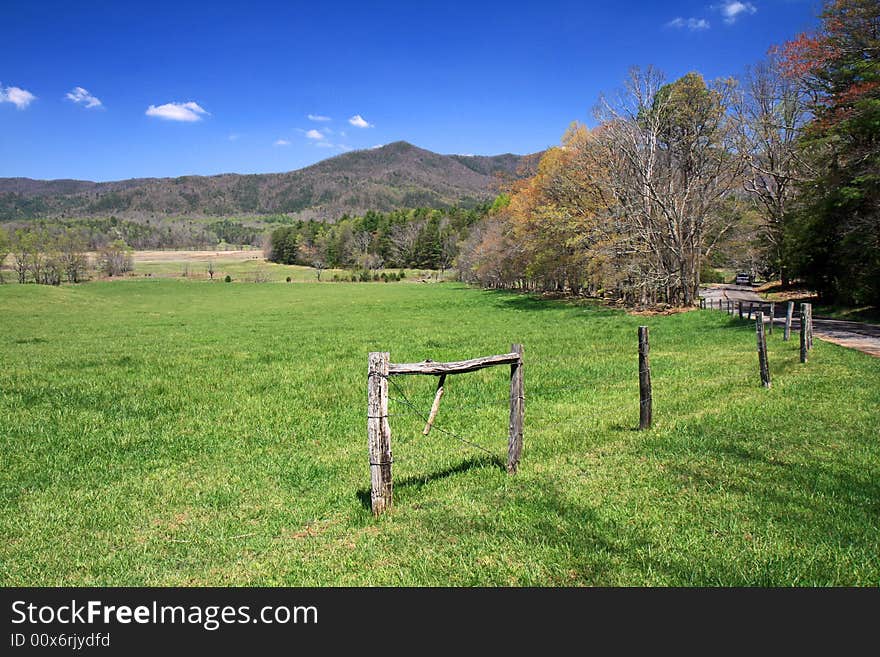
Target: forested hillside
(398,175)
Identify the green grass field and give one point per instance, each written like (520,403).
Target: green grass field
(162,433)
(241,267)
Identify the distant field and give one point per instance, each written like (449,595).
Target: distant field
(241,266)
(245,265)
(163,433)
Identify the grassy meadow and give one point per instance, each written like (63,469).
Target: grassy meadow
(241,266)
(163,433)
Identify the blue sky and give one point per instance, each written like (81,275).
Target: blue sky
(213,87)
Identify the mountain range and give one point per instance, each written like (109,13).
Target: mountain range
(396,175)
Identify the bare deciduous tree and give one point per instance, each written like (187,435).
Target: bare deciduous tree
(23,244)
(72,255)
(115,258)
(362,240)
(314,255)
(369,261)
(771,111)
(671,161)
(404,238)
(5,247)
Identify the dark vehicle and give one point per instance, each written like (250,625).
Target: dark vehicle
(743,279)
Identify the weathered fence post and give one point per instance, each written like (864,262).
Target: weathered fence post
(739,305)
(772,316)
(762,349)
(729,312)
(809,327)
(702,303)
(803,333)
(517,411)
(644,380)
(379,432)
(786,336)
(751,308)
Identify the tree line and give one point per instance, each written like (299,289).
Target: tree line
(52,252)
(148,233)
(778,170)
(50,258)
(423,238)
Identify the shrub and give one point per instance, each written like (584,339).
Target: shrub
(228,278)
(376,276)
(710,275)
(287,279)
(401,274)
(365,276)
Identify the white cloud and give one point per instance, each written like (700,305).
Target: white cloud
(372,148)
(17,96)
(327,144)
(319,117)
(282,142)
(81,96)
(358,121)
(187,112)
(234,137)
(314,134)
(733,9)
(693,24)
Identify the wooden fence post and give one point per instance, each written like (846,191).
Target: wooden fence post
(772,316)
(751,307)
(789,311)
(379,432)
(809,327)
(645,401)
(803,333)
(739,305)
(762,350)
(517,411)
(729,312)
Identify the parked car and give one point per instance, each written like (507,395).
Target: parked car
(743,279)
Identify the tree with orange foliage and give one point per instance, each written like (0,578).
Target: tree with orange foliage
(544,234)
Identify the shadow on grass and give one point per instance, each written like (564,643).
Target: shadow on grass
(418,481)
(816,499)
(573,541)
(530,301)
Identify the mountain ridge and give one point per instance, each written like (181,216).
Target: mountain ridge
(396,175)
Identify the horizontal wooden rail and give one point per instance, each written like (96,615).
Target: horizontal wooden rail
(456,367)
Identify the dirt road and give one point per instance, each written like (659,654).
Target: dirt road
(855,335)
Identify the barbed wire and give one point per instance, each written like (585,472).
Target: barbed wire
(412,409)
(424,417)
